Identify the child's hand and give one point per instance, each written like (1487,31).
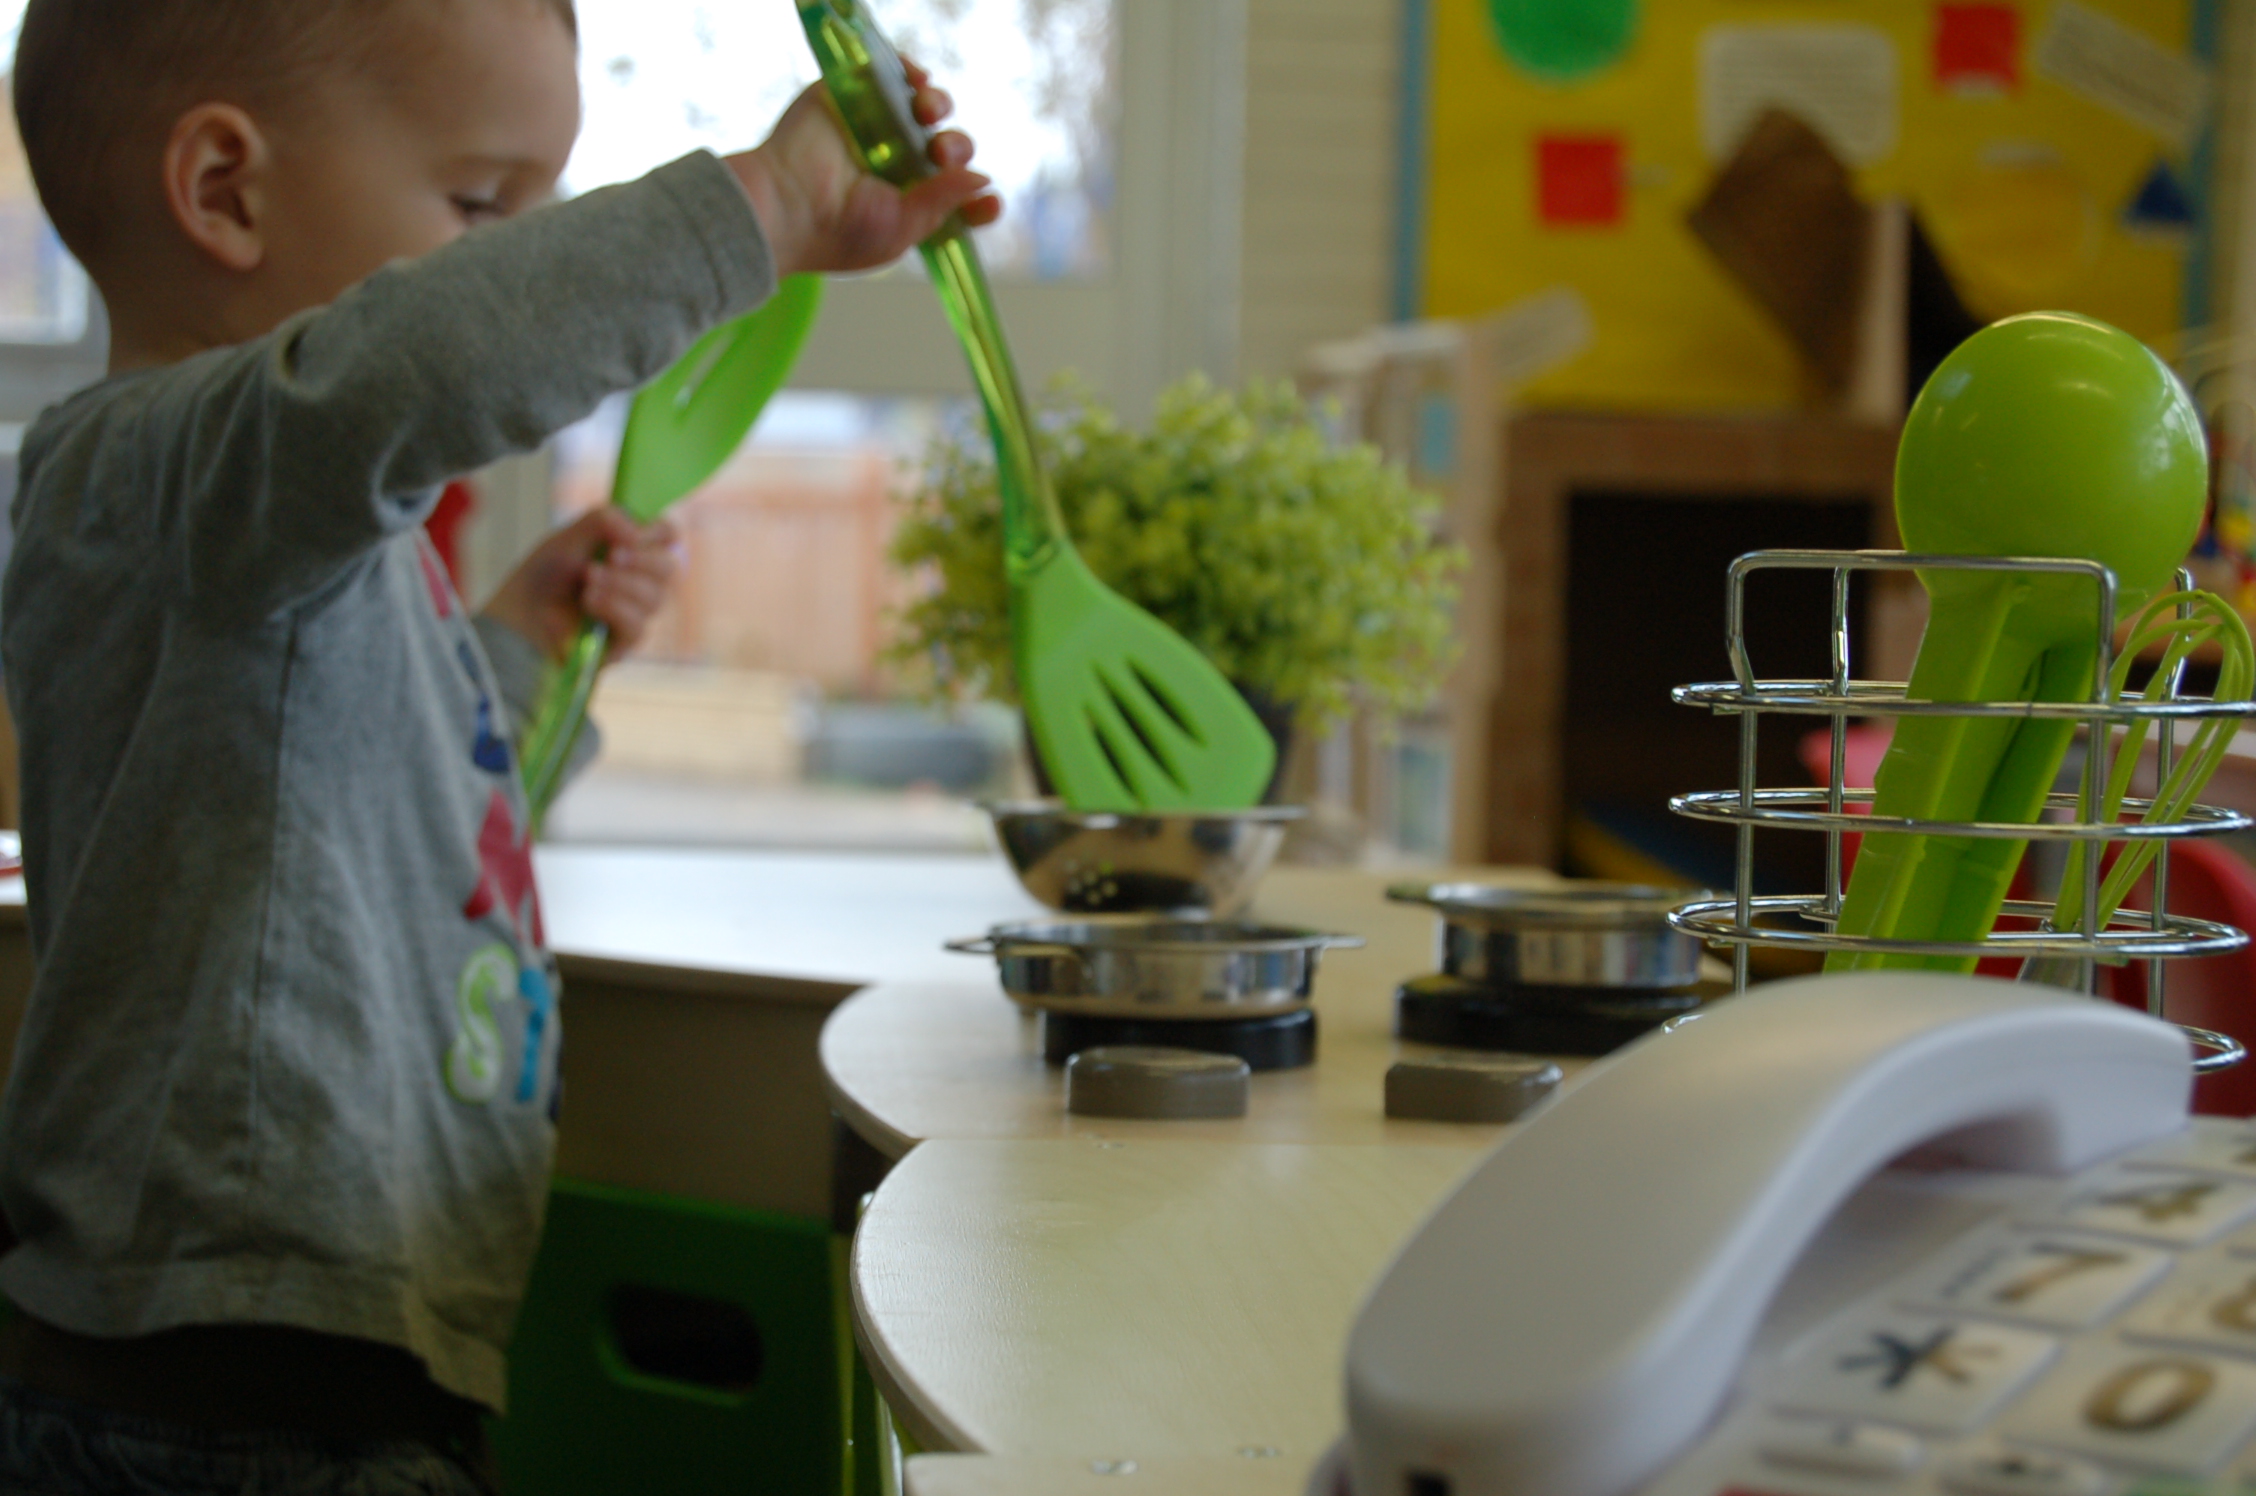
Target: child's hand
(822,211)
(562,584)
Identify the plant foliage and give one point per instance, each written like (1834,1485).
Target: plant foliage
(1308,573)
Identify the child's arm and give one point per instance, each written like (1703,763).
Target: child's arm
(293,454)
(285,458)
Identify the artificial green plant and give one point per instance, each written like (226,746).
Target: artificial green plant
(1309,572)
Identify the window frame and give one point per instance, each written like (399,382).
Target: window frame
(34,376)
(1167,304)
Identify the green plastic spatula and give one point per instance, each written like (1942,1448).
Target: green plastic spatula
(2043,435)
(682,427)
(1125,713)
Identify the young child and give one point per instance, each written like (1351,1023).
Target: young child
(278,1133)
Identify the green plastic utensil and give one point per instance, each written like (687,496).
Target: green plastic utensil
(2171,629)
(2043,435)
(1125,713)
(681,428)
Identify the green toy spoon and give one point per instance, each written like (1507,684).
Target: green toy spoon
(2043,435)
(682,427)
(1125,713)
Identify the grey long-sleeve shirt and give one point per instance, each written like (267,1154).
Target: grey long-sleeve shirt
(290,1057)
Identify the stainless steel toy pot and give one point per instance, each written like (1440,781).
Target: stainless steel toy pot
(1134,967)
(1159,862)
(1572,935)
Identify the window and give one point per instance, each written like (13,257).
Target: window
(43,293)
(1113,130)
(52,338)
(1034,81)
(760,711)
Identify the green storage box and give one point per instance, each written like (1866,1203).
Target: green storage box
(677,1346)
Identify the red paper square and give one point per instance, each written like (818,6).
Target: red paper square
(1977,48)
(1578,180)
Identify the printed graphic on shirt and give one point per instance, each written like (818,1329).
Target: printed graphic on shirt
(476,1059)
(489,750)
(540,1001)
(435,578)
(505,880)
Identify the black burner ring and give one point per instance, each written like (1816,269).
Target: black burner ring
(1530,1019)
(1286,1041)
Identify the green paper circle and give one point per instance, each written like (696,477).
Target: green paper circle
(1564,39)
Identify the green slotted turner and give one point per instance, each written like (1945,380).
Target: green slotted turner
(1125,713)
(682,427)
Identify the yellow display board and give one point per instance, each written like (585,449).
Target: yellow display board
(2023,134)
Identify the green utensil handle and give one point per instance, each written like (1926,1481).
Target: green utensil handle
(1033,526)
(561,718)
(870,88)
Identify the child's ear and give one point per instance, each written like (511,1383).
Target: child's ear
(216,167)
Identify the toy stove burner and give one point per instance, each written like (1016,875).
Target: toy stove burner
(1561,968)
(1528,1019)
(1281,1041)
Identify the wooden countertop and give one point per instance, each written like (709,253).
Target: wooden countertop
(806,926)
(907,1062)
(1130,1300)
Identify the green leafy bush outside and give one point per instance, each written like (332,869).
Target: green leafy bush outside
(1308,573)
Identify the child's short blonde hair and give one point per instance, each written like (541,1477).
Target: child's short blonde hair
(96,80)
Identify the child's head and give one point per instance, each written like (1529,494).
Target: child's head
(220,164)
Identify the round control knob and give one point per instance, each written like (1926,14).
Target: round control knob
(1125,1080)
(1467,1087)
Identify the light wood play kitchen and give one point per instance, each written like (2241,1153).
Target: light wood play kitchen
(1096,1250)
(1741,986)
(1144,1247)
(1216,1184)
(699,983)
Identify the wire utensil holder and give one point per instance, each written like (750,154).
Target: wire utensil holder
(1810,922)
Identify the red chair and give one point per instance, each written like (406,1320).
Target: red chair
(2207,881)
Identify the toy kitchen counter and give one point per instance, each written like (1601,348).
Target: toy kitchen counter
(1178,1310)
(1048,1299)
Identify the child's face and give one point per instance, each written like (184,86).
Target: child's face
(474,123)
